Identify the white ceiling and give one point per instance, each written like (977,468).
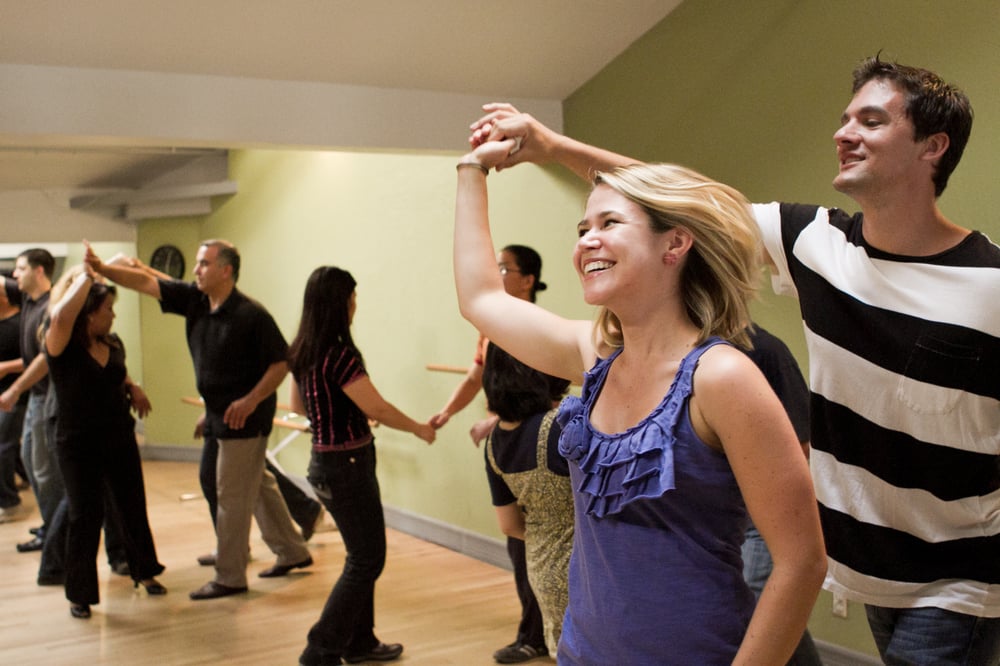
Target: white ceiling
(542,49)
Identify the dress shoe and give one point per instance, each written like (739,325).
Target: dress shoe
(30,546)
(279,570)
(517,652)
(81,611)
(35,530)
(153,587)
(381,652)
(213,590)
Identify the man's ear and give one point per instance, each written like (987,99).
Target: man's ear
(935,146)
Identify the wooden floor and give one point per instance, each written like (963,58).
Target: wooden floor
(445,608)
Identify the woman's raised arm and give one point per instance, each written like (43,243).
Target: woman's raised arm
(538,338)
(65,312)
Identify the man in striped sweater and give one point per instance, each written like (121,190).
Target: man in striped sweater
(901,309)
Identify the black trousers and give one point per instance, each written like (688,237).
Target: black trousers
(530,631)
(96,466)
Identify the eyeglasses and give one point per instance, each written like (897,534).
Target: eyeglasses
(504,269)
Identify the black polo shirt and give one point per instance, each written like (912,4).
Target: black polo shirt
(32,315)
(231,348)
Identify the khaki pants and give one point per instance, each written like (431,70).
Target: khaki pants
(246,490)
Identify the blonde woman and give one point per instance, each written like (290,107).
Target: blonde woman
(676,437)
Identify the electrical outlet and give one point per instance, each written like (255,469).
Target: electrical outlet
(839,605)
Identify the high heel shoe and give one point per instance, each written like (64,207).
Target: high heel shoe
(153,587)
(81,611)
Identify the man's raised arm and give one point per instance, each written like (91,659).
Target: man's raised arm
(128,277)
(538,144)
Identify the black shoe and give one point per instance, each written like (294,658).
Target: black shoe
(381,652)
(30,546)
(213,590)
(81,611)
(120,568)
(35,530)
(153,587)
(517,652)
(282,569)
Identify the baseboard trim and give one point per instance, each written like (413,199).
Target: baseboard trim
(170,453)
(483,548)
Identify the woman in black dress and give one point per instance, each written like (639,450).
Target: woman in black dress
(95,437)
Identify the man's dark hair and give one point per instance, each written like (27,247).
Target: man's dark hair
(933,106)
(514,391)
(37,256)
(228,255)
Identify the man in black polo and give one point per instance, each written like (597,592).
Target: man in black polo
(33,271)
(239,361)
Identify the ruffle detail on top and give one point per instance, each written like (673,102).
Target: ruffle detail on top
(622,468)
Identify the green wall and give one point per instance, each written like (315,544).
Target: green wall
(751,93)
(387,218)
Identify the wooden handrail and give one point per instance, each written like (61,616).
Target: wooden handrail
(437,367)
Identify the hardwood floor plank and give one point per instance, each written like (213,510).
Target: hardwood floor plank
(444,607)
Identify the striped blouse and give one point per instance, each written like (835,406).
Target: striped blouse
(337,423)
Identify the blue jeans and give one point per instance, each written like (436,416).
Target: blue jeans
(917,636)
(39,459)
(757,566)
(345,483)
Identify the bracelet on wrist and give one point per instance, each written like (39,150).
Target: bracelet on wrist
(476,165)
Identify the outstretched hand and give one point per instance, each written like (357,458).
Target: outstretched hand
(532,141)
(426,432)
(91,261)
(491,154)
(481,428)
(438,420)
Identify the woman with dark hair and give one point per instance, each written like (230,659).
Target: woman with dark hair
(330,385)
(523,261)
(95,437)
(529,479)
(521,271)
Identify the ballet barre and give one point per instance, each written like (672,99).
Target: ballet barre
(437,367)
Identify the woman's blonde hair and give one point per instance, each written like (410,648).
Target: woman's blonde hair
(722,270)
